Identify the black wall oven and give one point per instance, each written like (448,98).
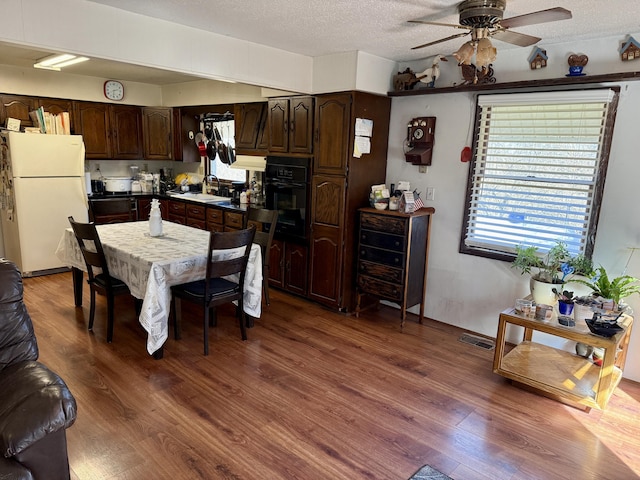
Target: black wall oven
(287,191)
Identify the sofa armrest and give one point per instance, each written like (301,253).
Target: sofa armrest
(34,403)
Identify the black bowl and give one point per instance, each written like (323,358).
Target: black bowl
(604,329)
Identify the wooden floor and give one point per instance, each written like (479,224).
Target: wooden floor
(312,395)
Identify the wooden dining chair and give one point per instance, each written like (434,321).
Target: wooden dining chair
(98,272)
(265,221)
(218,288)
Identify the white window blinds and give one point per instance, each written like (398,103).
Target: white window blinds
(536,169)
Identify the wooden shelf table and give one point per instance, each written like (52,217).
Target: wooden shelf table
(556,373)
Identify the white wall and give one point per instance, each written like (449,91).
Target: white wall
(470,291)
(94,30)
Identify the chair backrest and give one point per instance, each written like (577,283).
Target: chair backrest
(222,264)
(268,220)
(90,246)
(120,209)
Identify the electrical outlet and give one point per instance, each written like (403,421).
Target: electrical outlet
(431,194)
(422,169)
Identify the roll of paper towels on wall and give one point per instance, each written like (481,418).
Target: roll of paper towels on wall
(87,179)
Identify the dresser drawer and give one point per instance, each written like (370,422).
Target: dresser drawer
(385,257)
(215,215)
(195,211)
(233,220)
(379,288)
(382,240)
(382,272)
(177,208)
(382,223)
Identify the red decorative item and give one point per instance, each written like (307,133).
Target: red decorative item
(465,155)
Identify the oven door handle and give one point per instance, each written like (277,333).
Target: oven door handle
(277,184)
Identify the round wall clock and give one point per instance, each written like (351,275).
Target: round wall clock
(113,90)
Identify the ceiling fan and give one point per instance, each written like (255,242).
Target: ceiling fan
(483,19)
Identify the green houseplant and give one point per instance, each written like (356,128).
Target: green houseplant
(615,289)
(549,270)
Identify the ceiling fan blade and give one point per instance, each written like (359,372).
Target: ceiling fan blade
(424,22)
(515,38)
(542,16)
(441,40)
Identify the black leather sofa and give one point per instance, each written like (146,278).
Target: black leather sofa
(36,407)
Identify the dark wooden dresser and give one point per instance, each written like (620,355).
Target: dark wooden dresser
(393,251)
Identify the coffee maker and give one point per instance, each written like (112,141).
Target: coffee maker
(238,188)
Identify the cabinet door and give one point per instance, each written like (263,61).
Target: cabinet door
(57,106)
(296,264)
(157,133)
(327,217)
(92,121)
(248,120)
(126,123)
(262,144)
(278,117)
(144,208)
(16,106)
(301,125)
(332,133)
(276,263)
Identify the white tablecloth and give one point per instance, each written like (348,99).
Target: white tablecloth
(151,265)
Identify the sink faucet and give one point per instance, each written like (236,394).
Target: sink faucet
(210,177)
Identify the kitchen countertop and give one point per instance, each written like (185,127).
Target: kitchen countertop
(180,198)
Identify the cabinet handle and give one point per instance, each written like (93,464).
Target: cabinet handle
(293,126)
(397,260)
(397,243)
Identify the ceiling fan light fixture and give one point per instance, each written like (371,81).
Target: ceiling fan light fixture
(58,61)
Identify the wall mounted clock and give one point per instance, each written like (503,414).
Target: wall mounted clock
(113,90)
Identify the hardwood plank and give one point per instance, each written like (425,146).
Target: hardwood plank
(311,394)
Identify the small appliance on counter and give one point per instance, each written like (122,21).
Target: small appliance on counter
(117,185)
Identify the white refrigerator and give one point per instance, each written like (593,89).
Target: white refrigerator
(42,184)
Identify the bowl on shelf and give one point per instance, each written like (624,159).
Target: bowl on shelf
(380,205)
(603,328)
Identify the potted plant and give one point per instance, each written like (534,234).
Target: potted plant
(611,289)
(565,301)
(545,270)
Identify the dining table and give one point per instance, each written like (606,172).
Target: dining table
(151,265)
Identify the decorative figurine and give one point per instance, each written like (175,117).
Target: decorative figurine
(538,59)
(431,74)
(404,80)
(576,64)
(630,50)
(473,76)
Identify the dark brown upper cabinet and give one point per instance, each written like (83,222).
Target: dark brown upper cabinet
(291,125)
(109,131)
(251,128)
(18,107)
(157,133)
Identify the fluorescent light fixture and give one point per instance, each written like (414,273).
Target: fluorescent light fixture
(56,62)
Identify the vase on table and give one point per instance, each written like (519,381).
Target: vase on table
(565,308)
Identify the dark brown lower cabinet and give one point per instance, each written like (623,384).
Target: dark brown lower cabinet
(288,266)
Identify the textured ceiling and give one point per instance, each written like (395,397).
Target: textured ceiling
(379,27)
(322,27)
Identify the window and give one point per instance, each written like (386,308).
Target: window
(538,171)
(222,170)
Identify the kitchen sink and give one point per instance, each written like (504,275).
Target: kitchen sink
(202,197)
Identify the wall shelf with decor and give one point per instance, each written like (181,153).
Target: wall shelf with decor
(550,82)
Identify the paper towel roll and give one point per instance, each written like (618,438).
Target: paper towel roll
(87,179)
